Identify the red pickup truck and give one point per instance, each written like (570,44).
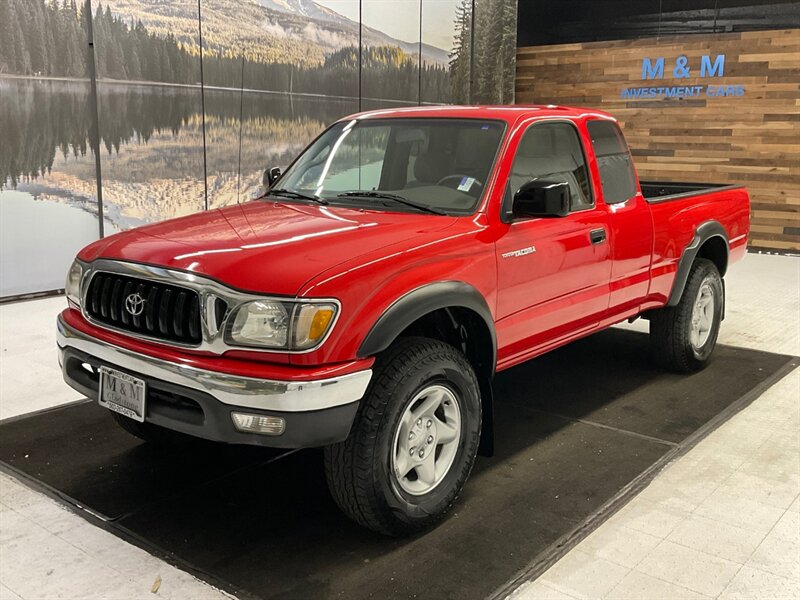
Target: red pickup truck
(365,301)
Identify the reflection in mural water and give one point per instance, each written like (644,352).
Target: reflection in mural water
(151,144)
(274,129)
(46,219)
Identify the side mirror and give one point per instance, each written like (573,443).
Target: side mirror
(542,198)
(271,176)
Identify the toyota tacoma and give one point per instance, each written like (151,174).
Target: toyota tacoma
(364,301)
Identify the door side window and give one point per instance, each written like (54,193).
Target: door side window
(613,160)
(553,152)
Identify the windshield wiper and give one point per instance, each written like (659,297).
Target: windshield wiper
(395,197)
(298,195)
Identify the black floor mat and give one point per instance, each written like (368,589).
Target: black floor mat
(573,429)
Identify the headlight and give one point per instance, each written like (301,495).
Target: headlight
(72,287)
(282,325)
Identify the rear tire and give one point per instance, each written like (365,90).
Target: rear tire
(148,432)
(413,442)
(683,337)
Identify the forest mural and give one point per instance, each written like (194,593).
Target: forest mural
(193,100)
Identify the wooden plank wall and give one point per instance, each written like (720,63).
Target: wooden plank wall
(752,140)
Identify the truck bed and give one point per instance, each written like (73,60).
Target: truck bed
(663,191)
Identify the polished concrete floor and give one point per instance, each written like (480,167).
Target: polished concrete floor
(721,521)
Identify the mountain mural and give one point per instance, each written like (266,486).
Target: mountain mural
(164,51)
(299,32)
(372,37)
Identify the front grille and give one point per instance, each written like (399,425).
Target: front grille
(169,312)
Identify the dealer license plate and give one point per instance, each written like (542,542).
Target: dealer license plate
(122,393)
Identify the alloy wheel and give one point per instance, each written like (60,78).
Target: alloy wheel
(427,440)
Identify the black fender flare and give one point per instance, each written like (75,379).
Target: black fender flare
(422,301)
(418,303)
(705,231)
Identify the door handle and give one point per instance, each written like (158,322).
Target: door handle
(598,236)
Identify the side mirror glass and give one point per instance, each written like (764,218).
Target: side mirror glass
(271,175)
(542,198)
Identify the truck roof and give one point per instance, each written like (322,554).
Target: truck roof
(509,113)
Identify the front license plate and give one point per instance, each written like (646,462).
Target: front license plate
(122,393)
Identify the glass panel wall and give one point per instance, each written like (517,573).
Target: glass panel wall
(180,129)
(227,48)
(445,27)
(275,75)
(48,203)
(495,50)
(149,111)
(390,45)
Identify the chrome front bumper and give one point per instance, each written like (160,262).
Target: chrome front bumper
(232,390)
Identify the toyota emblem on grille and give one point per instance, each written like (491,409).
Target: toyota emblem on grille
(134,304)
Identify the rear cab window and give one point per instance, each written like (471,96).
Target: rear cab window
(618,179)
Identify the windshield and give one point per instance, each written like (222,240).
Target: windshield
(428,165)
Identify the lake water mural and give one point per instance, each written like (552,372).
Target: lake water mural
(151,151)
(39,238)
(43,138)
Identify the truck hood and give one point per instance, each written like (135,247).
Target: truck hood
(266,247)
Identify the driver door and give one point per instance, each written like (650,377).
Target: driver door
(553,272)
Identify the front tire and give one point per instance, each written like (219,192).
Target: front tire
(413,442)
(684,336)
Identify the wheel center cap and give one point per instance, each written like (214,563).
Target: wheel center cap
(422,438)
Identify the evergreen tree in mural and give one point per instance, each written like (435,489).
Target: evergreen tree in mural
(484,74)
(495,51)
(42,39)
(460,58)
(130,52)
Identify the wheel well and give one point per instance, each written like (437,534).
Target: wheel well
(462,328)
(466,330)
(710,242)
(716,250)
